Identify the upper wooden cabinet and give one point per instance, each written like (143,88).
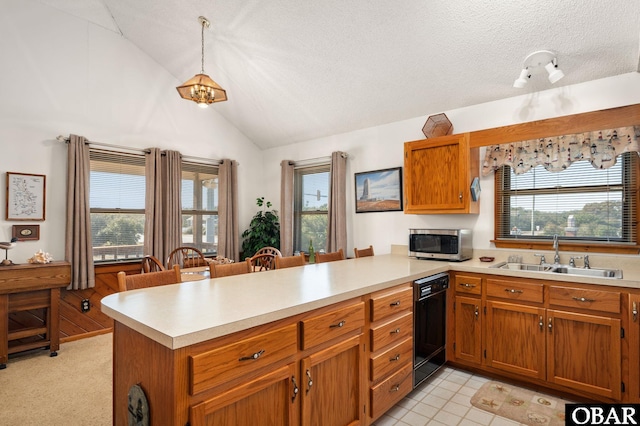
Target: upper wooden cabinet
(438,175)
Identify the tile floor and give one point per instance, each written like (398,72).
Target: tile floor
(443,400)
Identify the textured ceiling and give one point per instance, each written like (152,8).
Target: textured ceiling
(297,70)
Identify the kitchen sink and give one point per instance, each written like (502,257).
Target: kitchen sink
(560,269)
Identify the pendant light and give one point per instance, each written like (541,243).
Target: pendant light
(201,88)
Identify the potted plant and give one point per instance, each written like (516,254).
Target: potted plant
(264,230)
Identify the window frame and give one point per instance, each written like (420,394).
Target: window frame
(298,212)
(631,166)
(198,213)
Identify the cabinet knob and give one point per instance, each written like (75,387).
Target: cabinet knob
(309,381)
(396,303)
(476,312)
(396,331)
(338,325)
(634,311)
(395,358)
(252,357)
(295,389)
(460,196)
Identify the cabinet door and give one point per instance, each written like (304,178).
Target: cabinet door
(437,175)
(468,341)
(268,400)
(634,348)
(583,352)
(331,385)
(515,338)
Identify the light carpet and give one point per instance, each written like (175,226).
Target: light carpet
(519,404)
(71,389)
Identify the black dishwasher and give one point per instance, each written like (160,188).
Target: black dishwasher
(429,328)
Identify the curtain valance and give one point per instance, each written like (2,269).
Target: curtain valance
(556,153)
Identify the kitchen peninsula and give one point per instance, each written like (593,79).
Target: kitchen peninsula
(200,349)
(286,344)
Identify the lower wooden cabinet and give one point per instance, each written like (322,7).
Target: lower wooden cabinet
(330,385)
(561,335)
(468,329)
(583,353)
(516,338)
(245,404)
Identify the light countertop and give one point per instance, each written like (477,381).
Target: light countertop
(183,314)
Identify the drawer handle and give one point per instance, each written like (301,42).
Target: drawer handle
(466,285)
(513,290)
(395,358)
(395,388)
(295,389)
(396,303)
(309,381)
(338,325)
(252,357)
(583,299)
(396,331)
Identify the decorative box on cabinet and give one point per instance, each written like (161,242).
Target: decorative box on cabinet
(438,175)
(29,287)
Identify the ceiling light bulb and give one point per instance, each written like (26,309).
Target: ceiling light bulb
(555,74)
(522,80)
(203,105)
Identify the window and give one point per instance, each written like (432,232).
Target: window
(311,207)
(200,206)
(116,200)
(581,204)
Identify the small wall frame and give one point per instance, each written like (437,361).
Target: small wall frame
(26,232)
(25,196)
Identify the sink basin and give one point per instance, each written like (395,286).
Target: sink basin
(523,266)
(560,269)
(593,272)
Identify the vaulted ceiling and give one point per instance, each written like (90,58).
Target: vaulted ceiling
(297,70)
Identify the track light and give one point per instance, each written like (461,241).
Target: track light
(523,79)
(536,61)
(555,73)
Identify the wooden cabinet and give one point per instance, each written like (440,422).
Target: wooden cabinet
(391,348)
(633,338)
(468,330)
(438,175)
(30,287)
(565,336)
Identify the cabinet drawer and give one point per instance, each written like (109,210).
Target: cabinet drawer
(468,284)
(391,360)
(385,303)
(218,366)
(322,328)
(595,300)
(386,394)
(514,290)
(392,331)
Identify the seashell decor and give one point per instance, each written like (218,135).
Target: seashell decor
(40,257)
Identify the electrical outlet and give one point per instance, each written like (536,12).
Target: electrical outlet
(84,305)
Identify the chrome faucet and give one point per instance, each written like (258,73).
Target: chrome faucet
(586,262)
(556,258)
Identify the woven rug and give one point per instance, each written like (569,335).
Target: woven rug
(518,404)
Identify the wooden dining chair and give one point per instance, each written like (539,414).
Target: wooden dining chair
(262,262)
(186,257)
(269,250)
(149,279)
(227,269)
(363,252)
(151,264)
(329,257)
(289,261)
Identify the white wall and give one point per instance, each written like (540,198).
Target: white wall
(63,75)
(382,147)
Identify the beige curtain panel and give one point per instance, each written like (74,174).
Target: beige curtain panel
(172,203)
(286,207)
(78,241)
(228,237)
(153,218)
(337,226)
(557,153)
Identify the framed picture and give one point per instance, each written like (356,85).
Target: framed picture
(475,189)
(26,232)
(379,190)
(25,196)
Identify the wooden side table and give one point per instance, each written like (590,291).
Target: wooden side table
(26,287)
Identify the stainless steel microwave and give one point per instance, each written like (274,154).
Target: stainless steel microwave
(440,244)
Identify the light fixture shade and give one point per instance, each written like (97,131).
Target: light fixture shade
(555,74)
(202,90)
(522,80)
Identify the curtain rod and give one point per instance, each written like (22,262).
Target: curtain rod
(61,138)
(316,160)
